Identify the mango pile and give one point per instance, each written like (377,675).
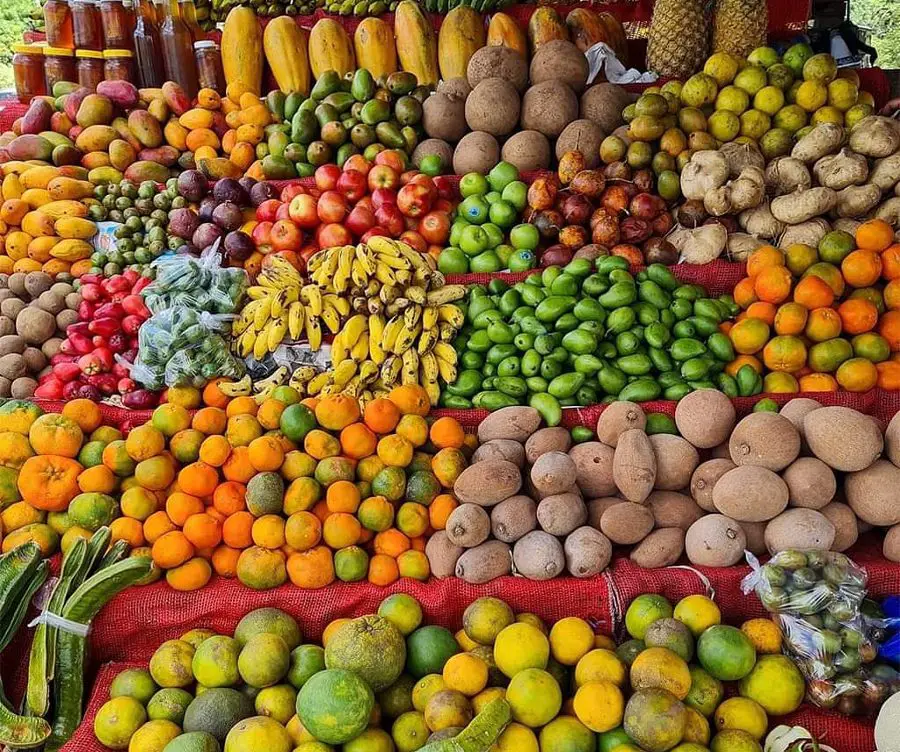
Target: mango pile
(388,681)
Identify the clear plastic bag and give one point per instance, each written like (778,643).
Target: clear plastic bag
(816,598)
(199,283)
(181,346)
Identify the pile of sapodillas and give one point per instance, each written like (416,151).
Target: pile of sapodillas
(809,477)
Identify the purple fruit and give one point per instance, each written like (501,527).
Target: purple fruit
(229,189)
(192,185)
(262,192)
(183,223)
(206,234)
(228,215)
(238,246)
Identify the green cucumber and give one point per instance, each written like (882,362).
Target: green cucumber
(23,732)
(480,734)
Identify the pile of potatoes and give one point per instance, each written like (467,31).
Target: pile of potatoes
(34,314)
(528,115)
(534,504)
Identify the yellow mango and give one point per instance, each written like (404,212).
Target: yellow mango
(176,135)
(11,187)
(38,177)
(17,244)
(75,228)
(39,248)
(38,224)
(196,118)
(72,249)
(36,197)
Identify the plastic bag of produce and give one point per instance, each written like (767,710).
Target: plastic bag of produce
(181,346)
(200,282)
(816,597)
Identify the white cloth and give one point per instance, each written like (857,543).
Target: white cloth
(601,58)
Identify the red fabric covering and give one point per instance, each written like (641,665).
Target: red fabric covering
(10,110)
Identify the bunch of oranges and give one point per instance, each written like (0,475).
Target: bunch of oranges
(825,318)
(309,491)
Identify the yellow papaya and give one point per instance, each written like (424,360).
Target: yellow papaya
(38,177)
(286,45)
(544,26)
(75,228)
(376,50)
(69,188)
(416,45)
(64,208)
(503,31)
(460,37)
(242,40)
(37,224)
(330,48)
(36,197)
(72,249)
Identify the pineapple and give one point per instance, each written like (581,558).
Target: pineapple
(740,26)
(678,42)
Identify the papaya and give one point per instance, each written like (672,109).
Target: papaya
(330,48)
(30,146)
(503,31)
(585,28)
(39,177)
(72,249)
(37,117)
(64,208)
(144,170)
(76,228)
(96,138)
(242,37)
(616,34)
(38,224)
(104,175)
(145,128)
(94,110)
(416,45)
(164,155)
(285,45)
(39,248)
(69,188)
(544,26)
(123,94)
(460,37)
(376,50)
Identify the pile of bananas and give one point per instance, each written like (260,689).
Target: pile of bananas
(391,314)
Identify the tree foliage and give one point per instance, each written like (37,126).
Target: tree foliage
(14,20)
(883,17)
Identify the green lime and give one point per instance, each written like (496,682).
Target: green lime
(516,193)
(473,184)
(432,165)
(474,240)
(351,564)
(486,262)
(403,611)
(643,611)
(835,246)
(306,660)
(524,236)
(503,214)
(453,261)
(502,174)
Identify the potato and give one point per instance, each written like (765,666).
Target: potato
(516,423)
(594,468)
(583,136)
(846,529)
(513,517)
(538,556)
(801,206)
(886,172)
(500,449)
(857,200)
(16,283)
(7,326)
(811,483)
(706,171)
(871,493)
(676,460)
(827,429)
(672,509)
(442,554)
(5,386)
(37,283)
(12,366)
(786,175)
(493,107)
(12,307)
(824,138)
(617,418)
(661,548)
(764,439)
(755,532)
(799,529)
(51,347)
(23,388)
(61,288)
(838,171)
(634,465)
(596,508)
(715,541)
(626,523)
(34,325)
(556,439)
(705,478)
(11,343)
(527,150)
(587,551)
(891,439)
(64,319)
(468,525)
(705,418)
(561,513)
(750,493)
(553,473)
(875,136)
(807,233)
(497,61)
(739,156)
(891,545)
(51,302)
(73,300)
(759,222)
(484,563)
(35,360)
(487,483)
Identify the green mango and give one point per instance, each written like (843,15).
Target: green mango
(328,83)
(275,101)
(304,127)
(374,112)
(363,85)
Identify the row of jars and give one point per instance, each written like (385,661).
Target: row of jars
(89,24)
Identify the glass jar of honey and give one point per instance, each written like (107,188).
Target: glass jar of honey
(209,65)
(58,23)
(87,27)
(118,65)
(89,68)
(28,71)
(59,65)
(118,24)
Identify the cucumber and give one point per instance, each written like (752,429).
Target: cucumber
(480,734)
(118,551)
(13,618)
(22,732)
(16,568)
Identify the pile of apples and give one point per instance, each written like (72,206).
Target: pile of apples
(352,203)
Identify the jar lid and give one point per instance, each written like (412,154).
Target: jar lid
(117,53)
(204,44)
(29,49)
(59,51)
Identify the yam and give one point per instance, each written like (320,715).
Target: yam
(749,493)
(715,541)
(838,171)
(23,388)
(824,138)
(553,473)
(801,530)
(487,483)
(12,366)
(802,206)
(587,551)
(516,423)
(740,245)
(626,523)
(875,136)
(857,200)
(705,478)
(886,172)
(811,483)
(760,222)
(11,343)
(500,449)
(468,525)
(442,554)
(661,548)
(889,211)
(513,517)
(705,418)
(561,513)
(37,283)
(699,245)
(738,156)
(872,493)
(617,418)
(555,439)
(827,430)
(594,468)
(786,175)
(634,465)
(846,528)
(673,509)
(806,233)
(765,439)
(490,560)
(676,460)
(706,171)
(538,556)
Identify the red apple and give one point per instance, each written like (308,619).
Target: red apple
(382,196)
(380,231)
(284,212)
(414,240)
(407,176)
(422,179)
(435,227)
(289,191)
(327,176)
(333,234)
(262,236)
(352,185)
(389,217)
(286,236)
(414,199)
(366,201)
(360,220)
(392,158)
(303,211)
(382,176)
(447,189)
(331,207)
(359,163)
(265,212)
(307,252)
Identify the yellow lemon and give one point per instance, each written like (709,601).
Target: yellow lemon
(427,686)
(464,641)
(698,613)
(811,95)
(599,705)
(570,639)
(743,714)
(520,646)
(600,665)
(517,738)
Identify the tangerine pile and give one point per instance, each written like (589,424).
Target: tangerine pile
(822,319)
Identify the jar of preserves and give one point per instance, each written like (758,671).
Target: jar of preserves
(117,19)
(209,65)
(28,71)
(118,65)
(59,65)
(58,23)
(87,27)
(89,68)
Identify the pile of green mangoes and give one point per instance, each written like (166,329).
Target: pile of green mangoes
(589,333)
(356,114)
